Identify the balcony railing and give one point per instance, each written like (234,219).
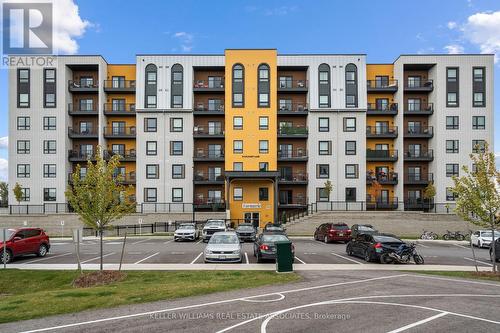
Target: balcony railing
(211,203)
(382,203)
(83,86)
(201,132)
(111,109)
(208,108)
(126,178)
(419,178)
(126,155)
(120,132)
(78,156)
(297,131)
(378,109)
(208,177)
(381,131)
(208,85)
(381,155)
(82,110)
(295,177)
(292,85)
(205,154)
(119,86)
(419,85)
(390,178)
(295,200)
(419,155)
(292,154)
(419,132)
(82,133)
(382,86)
(293,108)
(419,109)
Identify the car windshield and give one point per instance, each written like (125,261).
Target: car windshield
(215,224)
(273,238)
(386,239)
(245,227)
(364,228)
(8,234)
(224,239)
(186,227)
(488,234)
(274,228)
(340,227)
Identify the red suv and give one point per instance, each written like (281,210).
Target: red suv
(333,232)
(24,241)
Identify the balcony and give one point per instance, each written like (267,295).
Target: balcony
(378,86)
(120,132)
(419,109)
(292,132)
(124,86)
(294,201)
(419,155)
(209,85)
(296,178)
(293,155)
(82,110)
(381,155)
(210,133)
(125,155)
(382,110)
(210,178)
(382,204)
(381,132)
(419,132)
(79,133)
(207,109)
(291,85)
(83,86)
(127,178)
(208,155)
(419,86)
(293,109)
(210,203)
(111,109)
(382,178)
(418,179)
(78,156)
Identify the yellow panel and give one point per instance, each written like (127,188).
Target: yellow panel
(127,70)
(251,196)
(373,70)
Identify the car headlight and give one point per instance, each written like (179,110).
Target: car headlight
(208,252)
(236,252)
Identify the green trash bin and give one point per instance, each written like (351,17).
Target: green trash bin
(284,257)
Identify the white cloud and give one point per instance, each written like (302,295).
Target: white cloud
(454,49)
(4,142)
(4,169)
(483,30)
(280,11)
(452,25)
(186,40)
(420,37)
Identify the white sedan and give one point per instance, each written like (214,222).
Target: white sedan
(482,238)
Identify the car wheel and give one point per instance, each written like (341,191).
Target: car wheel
(7,257)
(42,251)
(348,250)
(259,259)
(326,239)
(368,256)
(479,244)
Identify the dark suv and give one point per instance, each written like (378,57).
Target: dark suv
(333,232)
(497,250)
(23,241)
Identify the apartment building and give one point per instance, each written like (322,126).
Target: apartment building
(251,132)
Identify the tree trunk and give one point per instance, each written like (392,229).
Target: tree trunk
(473,254)
(100,235)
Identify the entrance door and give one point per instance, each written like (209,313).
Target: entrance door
(253,218)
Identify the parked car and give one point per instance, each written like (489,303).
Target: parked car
(497,250)
(371,246)
(211,227)
(264,247)
(483,238)
(246,231)
(186,232)
(223,247)
(274,228)
(333,232)
(362,229)
(24,241)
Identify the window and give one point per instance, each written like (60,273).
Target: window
(177,101)
(263,166)
(478,122)
(381,81)
(452,146)
(150,194)
(176,86)
(324,86)
(23,171)
(178,171)
(150,125)
(23,123)
(150,101)
(325,147)
(322,171)
(322,194)
(177,195)
(452,87)
(237,123)
(25,194)
(452,122)
(151,86)
(238,147)
(351,86)
(351,171)
(215,82)
(450,195)
(349,124)
(263,146)
(152,171)
(263,85)
(350,147)
(49,194)
(350,194)
(118,81)
(238,85)
(214,104)
(49,171)
(151,148)
(414,81)
(263,194)
(478,146)
(478,74)
(176,125)
(49,88)
(49,146)
(237,166)
(452,99)
(237,194)
(49,123)
(324,124)
(23,88)
(451,74)
(451,170)
(176,148)
(263,123)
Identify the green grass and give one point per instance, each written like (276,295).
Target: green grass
(27,294)
(465,275)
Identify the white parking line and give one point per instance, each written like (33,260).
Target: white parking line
(151,256)
(199,255)
(169,241)
(346,258)
(246,258)
(47,258)
(418,323)
(142,240)
(302,261)
(479,261)
(464,247)
(83,262)
(198,242)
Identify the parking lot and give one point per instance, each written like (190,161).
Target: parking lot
(156,250)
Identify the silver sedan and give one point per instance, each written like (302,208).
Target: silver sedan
(223,247)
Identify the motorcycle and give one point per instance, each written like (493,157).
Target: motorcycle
(402,255)
(457,235)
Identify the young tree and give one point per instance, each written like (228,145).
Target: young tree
(478,196)
(429,194)
(4,193)
(98,198)
(328,188)
(18,193)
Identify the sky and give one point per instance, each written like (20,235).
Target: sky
(382,29)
